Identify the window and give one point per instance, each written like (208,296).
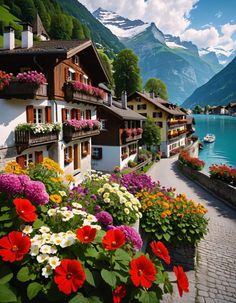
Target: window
(133,149)
(25,160)
(142,106)
(160,124)
(157,114)
(131,107)
(103,124)
(97,153)
(71,75)
(143,114)
(38,115)
(67,155)
(85,79)
(85,149)
(76,60)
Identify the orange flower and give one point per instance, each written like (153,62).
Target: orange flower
(163,215)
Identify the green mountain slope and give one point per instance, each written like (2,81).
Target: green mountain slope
(220,90)
(181,69)
(100,34)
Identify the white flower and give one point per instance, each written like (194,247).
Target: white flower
(98,227)
(62,193)
(123,188)
(67,215)
(42,257)
(126,210)
(52,212)
(27,229)
(107,200)
(64,208)
(54,262)
(68,241)
(79,212)
(44,229)
(56,240)
(53,250)
(100,190)
(45,249)
(106,195)
(46,271)
(122,200)
(128,204)
(77,205)
(34,250)
(106,186)
(91,218)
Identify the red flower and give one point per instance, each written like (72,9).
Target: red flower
(69,276)
(14,246)
(113,239)
(119,293)
(159,249)
(142,272)
(86,234)
(25,210)
(182,279)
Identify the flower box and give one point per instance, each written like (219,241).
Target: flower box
(129,135)
(72,94)
(71,134)
(22,90)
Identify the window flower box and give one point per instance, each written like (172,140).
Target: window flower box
(130,134)
(71,133)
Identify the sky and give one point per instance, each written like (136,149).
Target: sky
(207,23)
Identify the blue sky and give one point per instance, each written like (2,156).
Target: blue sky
(207,23)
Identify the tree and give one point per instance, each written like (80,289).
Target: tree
(197,109)
(77,32)
(61,26)
(157,86)
(106,63)
(151,133)
(28,10)
(86,31)
(126,73)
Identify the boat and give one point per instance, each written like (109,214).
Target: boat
(209,138)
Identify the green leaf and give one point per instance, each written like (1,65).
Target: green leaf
(167,237)
(94,300)
(109,277)
(33,289)
(122,255)
(37,224)
(5,274)
(5,217)
(79,298)
(164,228)
(6,294)
(23,274)
(89,277)
(148,297)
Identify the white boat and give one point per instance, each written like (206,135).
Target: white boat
(209,138)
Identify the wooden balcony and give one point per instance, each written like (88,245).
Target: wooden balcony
(129,138)
(25,139)
(20,90)
(72,95)
(176,135)
(176,123)
(71,134)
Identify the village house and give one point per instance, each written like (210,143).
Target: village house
(73,71)
(120,133)
(231,107)
(171,120)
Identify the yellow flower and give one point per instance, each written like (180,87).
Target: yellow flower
(14,167)
(149,203)
(70,178)
(163,215)
(52,165)
(56,198)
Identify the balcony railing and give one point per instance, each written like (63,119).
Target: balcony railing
(70,133)
(73,95)
(129,135)
(176,123)
(25,139)
(21,90)
(177,134)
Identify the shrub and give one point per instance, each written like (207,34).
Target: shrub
(192,162)
(132,163)
(223,172)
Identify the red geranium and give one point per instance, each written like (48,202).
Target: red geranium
(69,276)
(113,239)
(14,246)
(119,293)
(86,234)
(182,279)
(25,210)
(159,249)
(142,272)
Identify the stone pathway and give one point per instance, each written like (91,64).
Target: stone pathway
(214,280)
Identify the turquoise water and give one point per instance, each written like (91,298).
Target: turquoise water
(223,150)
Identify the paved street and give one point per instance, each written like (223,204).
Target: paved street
(214,280)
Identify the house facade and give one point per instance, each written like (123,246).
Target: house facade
(120,133)
(73,71)
(171,120)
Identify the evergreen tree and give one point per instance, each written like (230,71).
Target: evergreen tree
(126,73)
(151,133)
(157,86)
(28,10)
(60,27)
(106,63)
(86,31)
(44,15)
(77,32)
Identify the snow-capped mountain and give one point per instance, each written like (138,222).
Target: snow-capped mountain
(175,42)
(224,56)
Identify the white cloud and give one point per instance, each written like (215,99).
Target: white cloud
(219,14)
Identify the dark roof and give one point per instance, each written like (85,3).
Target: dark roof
(49,47)
(231,104)
(124,114)
(157,99)
(167,107)
(38,28)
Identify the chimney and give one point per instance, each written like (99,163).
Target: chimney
(110,99)
(124,100)
(152,94)
(26,36)
(9,38)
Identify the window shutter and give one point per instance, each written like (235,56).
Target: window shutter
(78,114)
(48,114)
(70,151)
(88,114)
(38,156)
(63,114)
(74,113)
(88,147)
(76,76)
(30,113)
(76,155)
(21,161)
(66,73)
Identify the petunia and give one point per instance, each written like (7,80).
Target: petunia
(182,280)
(86,234)
(25,210)
(119,293)
(142,272)
(69,276)
(160,250)
(113,239)
(14,246)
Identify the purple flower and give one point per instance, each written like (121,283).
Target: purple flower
(24,179)
(104,218)
(93,197)
(135,182)
(132,236)
(10,184)
(36,192)
(97,208)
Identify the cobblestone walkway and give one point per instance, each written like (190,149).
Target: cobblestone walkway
(214,280)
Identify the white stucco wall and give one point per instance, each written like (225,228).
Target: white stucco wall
(124,163)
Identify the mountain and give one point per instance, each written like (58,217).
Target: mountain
(101,35)
(220,90)
(223,56)
(175,62)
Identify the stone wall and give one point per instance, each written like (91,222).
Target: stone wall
(193,149)
(220,189)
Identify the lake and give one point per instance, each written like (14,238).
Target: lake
(223,150)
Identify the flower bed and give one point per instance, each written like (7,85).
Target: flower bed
(195,163)
(65,246)
(224,173)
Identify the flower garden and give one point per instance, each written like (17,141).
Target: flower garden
(64,243)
